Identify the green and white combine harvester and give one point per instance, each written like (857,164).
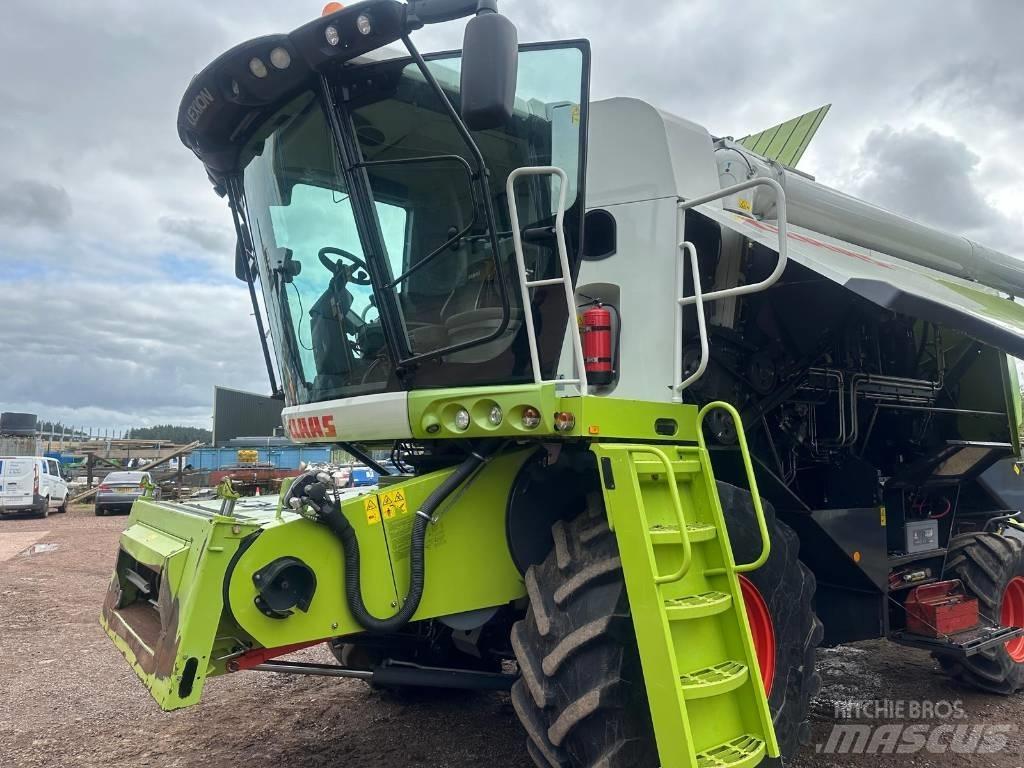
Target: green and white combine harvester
(587,331)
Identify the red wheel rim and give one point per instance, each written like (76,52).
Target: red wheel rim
(1012,615)
(763,630)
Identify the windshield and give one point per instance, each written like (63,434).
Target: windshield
(439,275)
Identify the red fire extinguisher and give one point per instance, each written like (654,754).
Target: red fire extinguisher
(596,328)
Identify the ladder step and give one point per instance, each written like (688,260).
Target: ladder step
(669,534)
(697,606)
(714,681)
(741,752)
(654,471)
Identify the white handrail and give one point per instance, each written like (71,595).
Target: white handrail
(705,351)
(699,298)
(783,232)
(525,284)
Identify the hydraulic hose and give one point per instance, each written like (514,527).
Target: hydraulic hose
(332,516)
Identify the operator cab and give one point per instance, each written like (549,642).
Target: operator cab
(375,220)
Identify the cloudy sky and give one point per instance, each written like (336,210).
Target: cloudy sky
(118,305)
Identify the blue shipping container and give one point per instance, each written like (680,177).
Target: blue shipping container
(285,457)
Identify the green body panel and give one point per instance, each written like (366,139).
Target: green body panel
(468,563)
(700,668)
(787,141)
(431,412)
(609,417)
(328,615)
(190,551)
(198,556)
(604,417)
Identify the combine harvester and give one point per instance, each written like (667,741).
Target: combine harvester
(588,331)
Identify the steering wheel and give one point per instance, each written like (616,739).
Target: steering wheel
(358,274)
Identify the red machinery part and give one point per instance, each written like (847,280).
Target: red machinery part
(762,630)
(940,609)
(596,329)
(257,656)
(1012,615)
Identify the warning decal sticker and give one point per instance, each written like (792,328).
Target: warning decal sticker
(393,504)
(372,508)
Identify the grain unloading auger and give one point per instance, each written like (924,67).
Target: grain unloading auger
(580,329)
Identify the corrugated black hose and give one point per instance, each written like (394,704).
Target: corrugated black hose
(330,514)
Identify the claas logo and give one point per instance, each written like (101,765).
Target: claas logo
(309,427)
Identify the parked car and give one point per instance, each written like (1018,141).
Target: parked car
(32,484)
(119,490)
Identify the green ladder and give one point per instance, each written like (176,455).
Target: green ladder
(704,687)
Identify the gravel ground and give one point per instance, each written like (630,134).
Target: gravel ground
(68,699)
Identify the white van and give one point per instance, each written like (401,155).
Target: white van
(32,484)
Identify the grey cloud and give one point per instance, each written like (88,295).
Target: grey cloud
(141,349)
(928,177)
(26,202)
(201,232)
(109,137)
(984,84)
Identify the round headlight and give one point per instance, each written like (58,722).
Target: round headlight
(531,417)
(495,416)
(258,68)
(461,420)
(332,36)
(364,24)
(564,421)
(280,58)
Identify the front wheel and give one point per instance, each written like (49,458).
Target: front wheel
(991,568)
(581,697)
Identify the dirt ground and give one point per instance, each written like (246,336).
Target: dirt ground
(68,699)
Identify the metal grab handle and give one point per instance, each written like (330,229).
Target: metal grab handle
(783,232)
(677,504)
(702,327)
(762,524)
(566,277)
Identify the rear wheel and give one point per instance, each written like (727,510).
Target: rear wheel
(44,511)
(991,567)
(100,511)
(581,696)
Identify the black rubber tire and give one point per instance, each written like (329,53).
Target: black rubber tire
(581,697)
(100,512)
(43,512)
(985,563)
(788,589)
(63,508)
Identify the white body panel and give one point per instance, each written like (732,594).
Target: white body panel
(18,491)
(830,212)
(369,417)
(643,161)
(639,181)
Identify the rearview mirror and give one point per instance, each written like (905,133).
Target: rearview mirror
(241,262)
(490,65)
